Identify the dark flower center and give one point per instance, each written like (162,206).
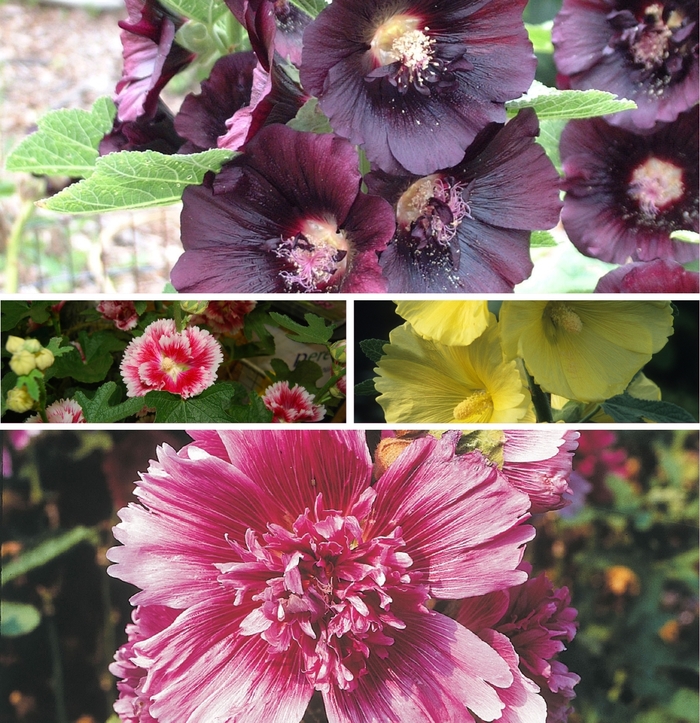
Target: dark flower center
(656,185)
(325,588)
(657,41)
(317,256)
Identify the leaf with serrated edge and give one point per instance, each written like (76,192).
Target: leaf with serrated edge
(66,142)
(373,348)
(541,239)
(136,179)
(552,103)
(365,388)
(209,406)
(625,408)
(316,331)
(99,410)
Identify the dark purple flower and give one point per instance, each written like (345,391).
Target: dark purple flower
(649,277)
(644,50)
(151,58)
(202,118)
(626,193)
(286,215)
(414,81)
(467,228)
(144,134)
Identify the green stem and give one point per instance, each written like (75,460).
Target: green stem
(319,397)
(543,410)
(597,408)
(56,669)
(179,319)
(13,244)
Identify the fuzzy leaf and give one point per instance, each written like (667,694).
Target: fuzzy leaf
(17,618)
(46,551)
(33,381)
(97,348)
(625,408)
(317,332)
(365,389)
(550,134)
(11,313)
(54,346)
(98,409)
(310,7)
(136,179)
(541,239)
(541,37)
(310,118)
(373,348)
(212,405)
(204,11)
(552,103)
(248,408)
(306,373)
(66,142)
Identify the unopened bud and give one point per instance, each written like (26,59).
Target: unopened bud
(44,359)
(338,351)
(194,307)
(19,400)
(22,362)
(32,345)
(14,344)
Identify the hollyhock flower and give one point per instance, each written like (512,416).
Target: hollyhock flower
(224,317)
(286,215)
(292,405)
(122,313)
(63,411)
(425,381)
(151,58)
(413,82)
(455,323)
(144,134)
(467,228)
(164,359)
(597,457)
(537,619)
(649,277)
(538,462)
(644,51)
(304,577)
(584,350)
(626,193)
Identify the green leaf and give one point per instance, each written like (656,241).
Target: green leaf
(541,36)
(66,142)
(306,373)
(552,103)
(54,346)
(310,118)
(33,381)
(97,348)
(212,405)
(204,11)
(140,307)
(98,409)
(625,408)
(365,388)
(373,348)
(248,408)
(17,619)
(689,237)
(685,705)
(550,134)
(46,551)
(541,239)
(316,331)
(11,313)
(310,7)
(136,179)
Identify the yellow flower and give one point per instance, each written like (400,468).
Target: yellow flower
(19,400)
(585,350)
(449,322)
(22,362)
(425,381)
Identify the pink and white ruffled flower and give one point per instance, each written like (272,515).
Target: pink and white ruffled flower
(122,313)
(292,405)
(224,317)
(64,411)
(164,359)
(537,619)
(292,574)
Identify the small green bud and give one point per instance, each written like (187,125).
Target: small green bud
(338,351)
(32,345)
(194,307)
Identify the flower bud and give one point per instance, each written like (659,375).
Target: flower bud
(32,345)
(19,400)
(22,362)
(44,359)
(338,351)
(194,307)
(14,344)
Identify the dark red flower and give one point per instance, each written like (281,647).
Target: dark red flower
(286,215)
(414,81)
(467,228)
(144,134)
(626,193)
(644,50)
(649,277)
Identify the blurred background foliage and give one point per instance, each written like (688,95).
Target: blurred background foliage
(627,548)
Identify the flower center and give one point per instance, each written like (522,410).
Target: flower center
(563,317)
(655,185)
(317,255)
(400,40)
(172,368)
(324,588)
(651,45)
(477,407)
(432,209)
